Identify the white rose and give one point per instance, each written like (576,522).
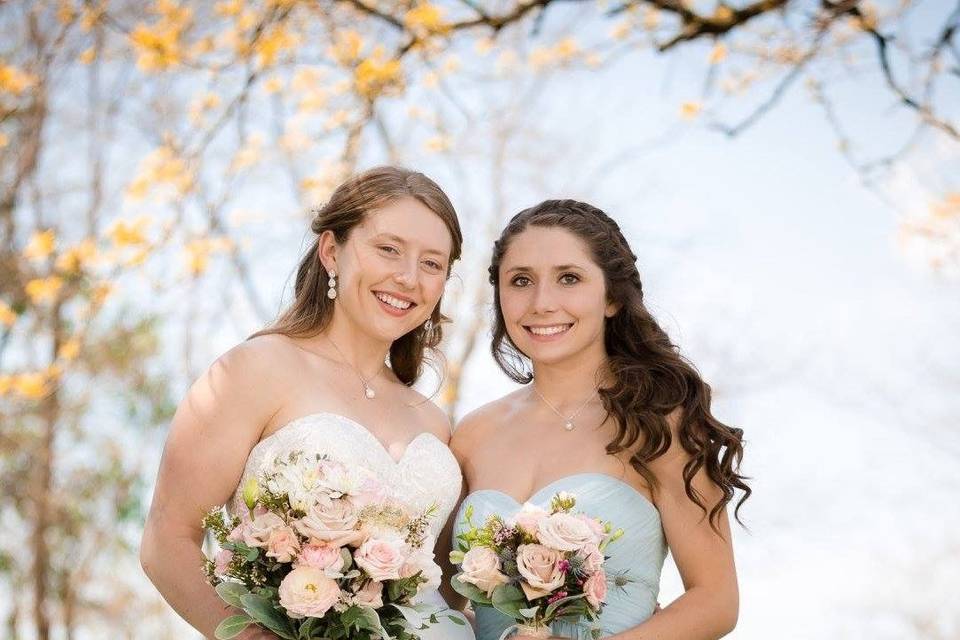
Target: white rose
(481,567)
(381,558)
(422,560)
(331,521)
(307,592)
(565,532)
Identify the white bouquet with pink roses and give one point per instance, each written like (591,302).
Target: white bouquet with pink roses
(321,552)
(536,566)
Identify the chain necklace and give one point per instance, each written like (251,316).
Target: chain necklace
(367,389)
(567,421)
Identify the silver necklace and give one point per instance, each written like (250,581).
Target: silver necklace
(367,389)
(567,421)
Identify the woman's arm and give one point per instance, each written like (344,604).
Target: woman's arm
(708,608)
(212,432)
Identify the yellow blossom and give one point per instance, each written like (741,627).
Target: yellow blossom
(717,54)
(377,75)
(41,245)
(127,234)
(69,349)
(273,85)
(438,143)
(100,292)
(198,251)
(6,384)
(30,385)
(483,46)
(228,8)
(158,49)
(621,30)
(4,140)
(88,56)
(65,12)
(74,258)
(249,154)
(161,167)
(43,290)
(7,315)
(651,18)
(347,47)
(426,18)
(13,80)
(272,43)
(948,208)
(690,110)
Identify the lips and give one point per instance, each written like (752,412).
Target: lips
(543,332)
(394,303)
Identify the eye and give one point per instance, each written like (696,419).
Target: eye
(386,248)
(433,264)
(520,281)
(569,278)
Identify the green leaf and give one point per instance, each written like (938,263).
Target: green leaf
(470,591)
(232,626)
(263,612)
(508,599)
(562,601)
(231,593)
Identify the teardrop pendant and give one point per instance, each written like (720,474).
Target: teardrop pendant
(370,393)
(568,425)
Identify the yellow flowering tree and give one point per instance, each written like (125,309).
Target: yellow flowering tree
(150,151)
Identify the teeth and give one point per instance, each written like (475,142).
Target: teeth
(393,302)
(549,331)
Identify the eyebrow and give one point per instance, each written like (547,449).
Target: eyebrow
(560,267)
(399,240)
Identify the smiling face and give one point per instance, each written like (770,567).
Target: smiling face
(392,268)
(552,295)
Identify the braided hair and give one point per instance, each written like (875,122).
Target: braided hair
(650,377)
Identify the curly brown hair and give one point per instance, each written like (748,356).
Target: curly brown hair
(651,378)
(311,310)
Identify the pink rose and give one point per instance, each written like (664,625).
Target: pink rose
(222,561)
(529,517)
(481,567)
(283,544)
(369,595)
(320,556)
(422,560)
(330,521)
(596,526)
(258,532)
(307,592)
(371,491)
(381,558)
(595,588)
(592,558)
(539,565)
(565,532)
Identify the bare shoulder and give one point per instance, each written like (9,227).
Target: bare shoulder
(434,418)
(483,421)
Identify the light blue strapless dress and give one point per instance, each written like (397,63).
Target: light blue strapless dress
(639,554)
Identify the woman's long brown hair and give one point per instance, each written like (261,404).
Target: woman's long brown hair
(311,309)
(651,378)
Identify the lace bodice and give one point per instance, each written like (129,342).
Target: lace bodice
(426,474)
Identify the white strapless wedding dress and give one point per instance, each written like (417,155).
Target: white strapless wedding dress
(427,474)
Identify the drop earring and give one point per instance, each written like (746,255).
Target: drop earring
(332,284)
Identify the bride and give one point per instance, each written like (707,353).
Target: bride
(316,381)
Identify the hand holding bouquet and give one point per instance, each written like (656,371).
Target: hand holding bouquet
(322,553)
(536,567)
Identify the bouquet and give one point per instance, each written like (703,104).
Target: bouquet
(321,552)
(537,567)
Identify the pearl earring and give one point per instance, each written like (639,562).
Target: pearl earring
(332,283)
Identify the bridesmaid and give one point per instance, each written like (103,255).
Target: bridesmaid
(610,412)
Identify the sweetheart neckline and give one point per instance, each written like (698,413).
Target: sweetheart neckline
(358,425)
(547,486)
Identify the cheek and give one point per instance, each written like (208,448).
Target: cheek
(512,305)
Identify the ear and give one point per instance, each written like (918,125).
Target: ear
(613,308)
(327,249)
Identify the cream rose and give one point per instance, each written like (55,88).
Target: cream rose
(381,558)
(331,521)
(370,595)
(422,560)
(481,567)
(539,567)
(306,592)
(257,533)
(565,532)
(320,556)
(529,517)
(283,544)
(595,588)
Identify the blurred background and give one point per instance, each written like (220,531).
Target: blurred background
(787,171)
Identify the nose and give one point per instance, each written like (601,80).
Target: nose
(407,276)
(543,299)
